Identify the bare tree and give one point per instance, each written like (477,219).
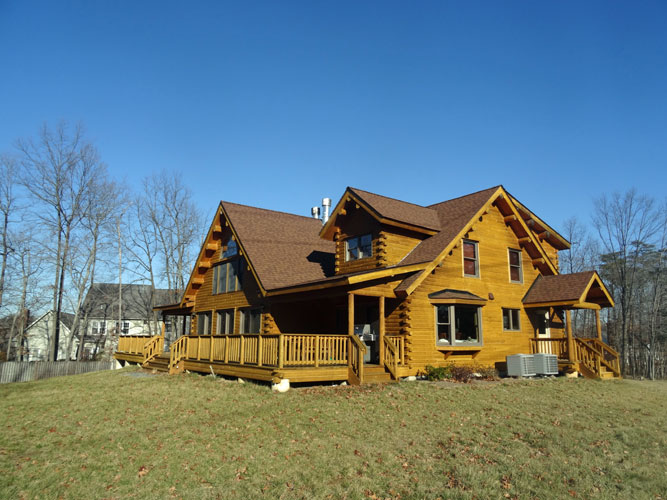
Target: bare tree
(8,171)
(624,224)
(59,169)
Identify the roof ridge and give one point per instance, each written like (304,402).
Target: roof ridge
(387,197)
(223,202)
(465,195)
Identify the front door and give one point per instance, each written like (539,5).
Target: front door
(542,331)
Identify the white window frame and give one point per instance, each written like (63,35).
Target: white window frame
(510,251)
(464,258)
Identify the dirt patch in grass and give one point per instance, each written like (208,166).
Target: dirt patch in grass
(107,435)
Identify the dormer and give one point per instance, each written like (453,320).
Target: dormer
(372,231)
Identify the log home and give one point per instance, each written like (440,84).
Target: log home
(378,290)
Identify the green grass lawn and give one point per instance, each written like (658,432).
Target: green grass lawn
(118,435)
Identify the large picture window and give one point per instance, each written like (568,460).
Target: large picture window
(470,258)
(458,324)
(228,276)
(359,247)
(516,273)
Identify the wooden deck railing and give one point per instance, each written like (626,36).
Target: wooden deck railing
(398,341)
(608,356)
(391,357)
(177,353)
(355,354)
(135,344)
(550,346)
(153,347)
(587,356)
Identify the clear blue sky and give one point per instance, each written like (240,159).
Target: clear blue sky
(278,103)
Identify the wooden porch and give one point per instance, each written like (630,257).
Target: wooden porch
(299,357)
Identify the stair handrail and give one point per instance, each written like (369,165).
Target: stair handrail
(177,352)
(391,357)
(152,348)
(355,360)
(588,355)
(614,363)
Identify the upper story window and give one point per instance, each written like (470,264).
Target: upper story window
(359,247)
(470,258)
(231,250)
(457,324)
(228,276)
(516,273)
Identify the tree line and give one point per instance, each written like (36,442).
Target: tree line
(67,223)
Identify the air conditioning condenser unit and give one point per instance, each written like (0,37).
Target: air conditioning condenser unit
(520,365)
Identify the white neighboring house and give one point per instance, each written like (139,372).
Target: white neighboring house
(100,310)
(38,332)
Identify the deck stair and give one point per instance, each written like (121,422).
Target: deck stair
(375,374)
(158,363)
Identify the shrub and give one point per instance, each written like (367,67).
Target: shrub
(438,372)
(460,373)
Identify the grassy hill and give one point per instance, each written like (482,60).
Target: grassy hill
(126,435)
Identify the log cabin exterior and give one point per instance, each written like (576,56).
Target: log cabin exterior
(379,291)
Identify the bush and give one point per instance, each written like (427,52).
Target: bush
(460,373)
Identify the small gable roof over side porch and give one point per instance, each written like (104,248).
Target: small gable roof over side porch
(577,290)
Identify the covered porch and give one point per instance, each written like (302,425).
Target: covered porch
(591,357)
(366,352)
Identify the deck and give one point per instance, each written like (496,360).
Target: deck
(298,357)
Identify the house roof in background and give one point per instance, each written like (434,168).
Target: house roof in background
(137,300)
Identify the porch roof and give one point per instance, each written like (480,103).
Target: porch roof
(577,290)
(451,296)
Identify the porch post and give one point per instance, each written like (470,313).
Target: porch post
(381,332)
(570,341)
(350,313)
(598,325)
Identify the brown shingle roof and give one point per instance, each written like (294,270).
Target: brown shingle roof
(454,215)
(400,211)
(558,288)
(284,249)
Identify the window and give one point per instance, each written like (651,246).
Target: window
(204,323)
(470,258)
(516,273)
(359,247)
(511,320)
(123,327)
(228,276)
(458,325)
(231,250)
(225,320)
(251,320)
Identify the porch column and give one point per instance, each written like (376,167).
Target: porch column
(350,313)
(381,332)
(598,325)
(570,341)
(184,322)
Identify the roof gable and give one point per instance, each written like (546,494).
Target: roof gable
(576,289)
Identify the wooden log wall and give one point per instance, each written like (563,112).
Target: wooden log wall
(494,238)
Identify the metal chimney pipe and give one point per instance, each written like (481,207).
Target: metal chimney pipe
(326,205)
(315,212)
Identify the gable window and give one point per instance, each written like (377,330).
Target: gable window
(204,323)
(359,247)
(516,273)
(225,322)
(251,320)
(470,258)
(511,320)
(231,250)
(228,276)
(458,324)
